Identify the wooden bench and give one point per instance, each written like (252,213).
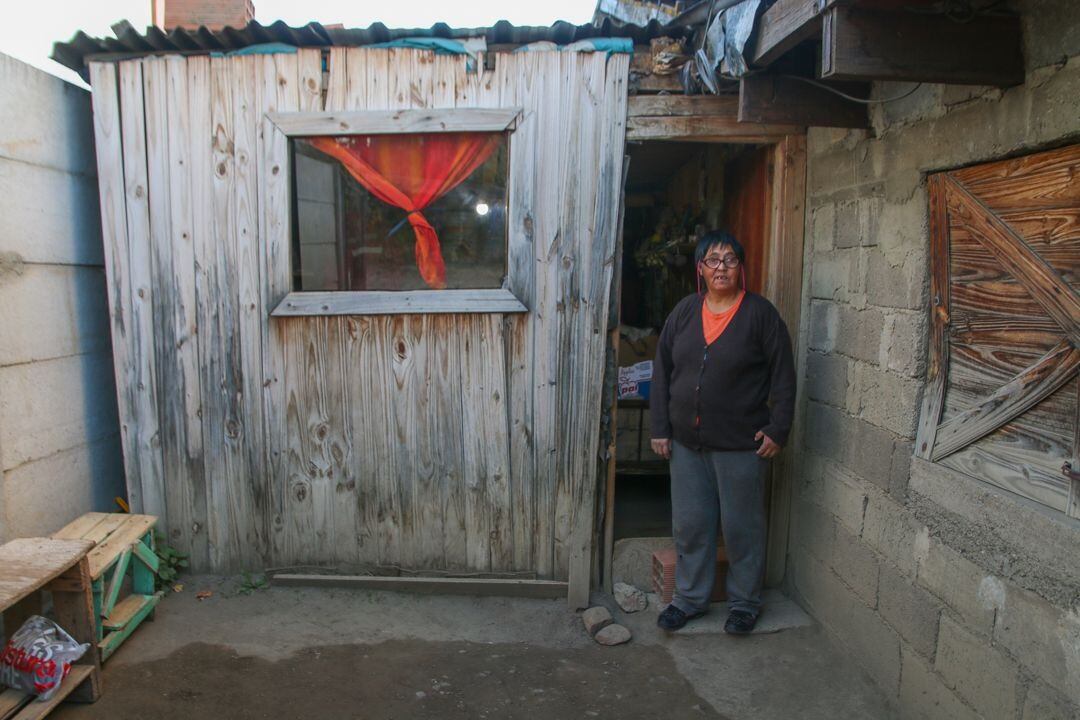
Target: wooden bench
(27,567)
(121,543)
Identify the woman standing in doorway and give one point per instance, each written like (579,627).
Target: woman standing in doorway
(723,355)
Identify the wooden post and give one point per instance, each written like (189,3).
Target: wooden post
(74,608)
(785,290)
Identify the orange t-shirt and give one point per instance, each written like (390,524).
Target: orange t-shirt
(714,324)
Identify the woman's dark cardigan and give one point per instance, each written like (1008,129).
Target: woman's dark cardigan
(717,397)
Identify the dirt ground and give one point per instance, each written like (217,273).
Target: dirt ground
(333,653)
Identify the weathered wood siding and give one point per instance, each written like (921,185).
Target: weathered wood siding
(437,442)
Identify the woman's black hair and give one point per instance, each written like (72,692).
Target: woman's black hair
(718,237)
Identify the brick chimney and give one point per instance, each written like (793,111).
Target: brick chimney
(191,14)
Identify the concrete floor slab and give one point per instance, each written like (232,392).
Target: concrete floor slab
(265,655)
(777,613)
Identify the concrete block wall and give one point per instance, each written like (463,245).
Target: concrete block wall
(59,437)
(958,599)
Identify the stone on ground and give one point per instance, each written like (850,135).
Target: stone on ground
(612,635)
(629,598)
(596,618)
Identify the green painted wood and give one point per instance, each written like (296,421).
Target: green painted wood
(115,582)
(114,639)
(97,588)
(143,578)
(145,555)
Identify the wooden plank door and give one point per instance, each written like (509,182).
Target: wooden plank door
(1002,393)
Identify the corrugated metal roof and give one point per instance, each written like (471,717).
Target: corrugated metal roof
(128,41)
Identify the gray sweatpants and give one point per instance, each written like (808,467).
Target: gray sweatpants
(710,488)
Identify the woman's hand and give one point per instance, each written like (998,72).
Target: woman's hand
(662,447)
(769,449)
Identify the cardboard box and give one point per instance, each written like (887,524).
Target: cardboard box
(635,381)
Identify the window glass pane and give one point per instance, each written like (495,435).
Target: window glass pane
(399,212)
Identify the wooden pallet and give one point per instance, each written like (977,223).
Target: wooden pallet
(28,566)
(123,545)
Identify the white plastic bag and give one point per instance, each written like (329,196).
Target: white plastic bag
(38,657)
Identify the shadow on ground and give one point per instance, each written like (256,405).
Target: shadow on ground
(334,653)
(402,679)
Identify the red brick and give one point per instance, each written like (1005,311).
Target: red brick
(214,14)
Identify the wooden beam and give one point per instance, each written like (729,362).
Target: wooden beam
(860,44)
(389,302)
(498,587)
(705,118)
(937,372)
(1016,397)
(382,122)
(652,83)
(784,25)
(784,287)
(682,105)
(711,128)
(781,99)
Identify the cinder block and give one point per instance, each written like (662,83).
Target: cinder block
(836,491)
(909,609)
(899,283)
(1045,703)
(904,222)
(923,694)
(827,378)
(1045,639)
(812,529)
(903,344)
(830,170)
(823,227)
(978,673)
(856,564)
(824,325)
(870,452)
(904,337)
(901,469)
(875,646)
(886,399)
(833,274)
(957,582)
(848,231)
(891,530)
(869,220)
(859,333)
(827,431)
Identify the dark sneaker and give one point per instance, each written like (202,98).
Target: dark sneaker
(672,618)
(739,622)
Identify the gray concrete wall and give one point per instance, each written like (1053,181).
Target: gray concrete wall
(960,600)
(59,437)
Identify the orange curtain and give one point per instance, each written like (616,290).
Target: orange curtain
(411,172)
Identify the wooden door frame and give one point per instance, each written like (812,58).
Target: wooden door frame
(783,287)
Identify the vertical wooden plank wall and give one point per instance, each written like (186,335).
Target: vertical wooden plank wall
(452,442)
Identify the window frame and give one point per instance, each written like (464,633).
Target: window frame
(286,125)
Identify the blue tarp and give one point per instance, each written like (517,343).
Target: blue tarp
(441,46)
(261,49)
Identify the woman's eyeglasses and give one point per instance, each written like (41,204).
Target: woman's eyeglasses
(728,261)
